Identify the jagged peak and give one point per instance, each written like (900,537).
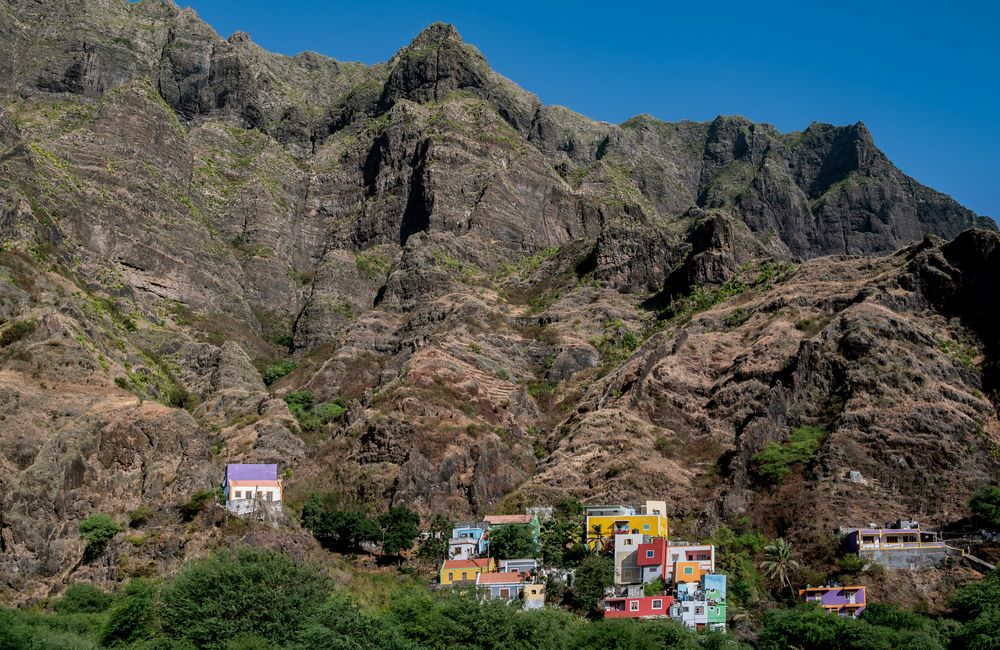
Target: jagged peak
(437,34)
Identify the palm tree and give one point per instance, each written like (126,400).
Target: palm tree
(597,532)
(779,562)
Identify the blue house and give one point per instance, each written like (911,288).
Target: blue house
(468,540)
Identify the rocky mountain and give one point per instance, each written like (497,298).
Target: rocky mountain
(511,302)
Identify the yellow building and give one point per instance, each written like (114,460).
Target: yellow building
(460,571)
(604,522)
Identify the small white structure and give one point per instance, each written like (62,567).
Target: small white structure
(249,488)
(526,565)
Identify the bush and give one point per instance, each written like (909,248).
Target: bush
(17,331)
(139,516)
(83,598)
(302,404)
(275,371)
(249,592)
(97,530)
(777,459)
(198,502)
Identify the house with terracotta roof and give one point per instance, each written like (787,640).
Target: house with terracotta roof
(251,487)
(501,586)
(465,571)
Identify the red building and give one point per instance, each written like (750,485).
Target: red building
(640,607)
(652,559)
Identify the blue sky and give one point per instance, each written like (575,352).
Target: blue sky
(924,77)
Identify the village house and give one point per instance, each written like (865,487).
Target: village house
(611,521)
(702,554)
(468,541)
(501,586)
(701,603)
(901,544)
(465,571)
(842,601)
(249,487)
(638,606)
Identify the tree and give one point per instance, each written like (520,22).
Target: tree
(400,528)
(593,577)
(97,530)
(512,541)
(133,617)
(435,545)
(597,532)
(248,592)
(340,530)
(986,506)
(779,562)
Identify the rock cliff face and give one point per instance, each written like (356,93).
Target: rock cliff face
(513,302)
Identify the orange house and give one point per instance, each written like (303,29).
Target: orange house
(688,571)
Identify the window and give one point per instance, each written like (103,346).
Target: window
(633,605)
(688,570)
(699,610)
(628,542)
(504,592)
(645,526)
(270,496)
(649,554)
(451,577)
(238,494)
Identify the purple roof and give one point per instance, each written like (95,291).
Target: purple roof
(244,472)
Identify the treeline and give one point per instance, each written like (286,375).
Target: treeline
(257,600)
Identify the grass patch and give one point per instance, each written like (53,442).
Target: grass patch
(18,330)
(312,416)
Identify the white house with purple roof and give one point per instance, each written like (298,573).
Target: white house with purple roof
(251,487)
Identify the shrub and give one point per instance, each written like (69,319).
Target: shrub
(198,502)
(247,592)
(275,371)
(97,530)
(302,404)
(17,331)
(777,459)
(83,598)
(139,516)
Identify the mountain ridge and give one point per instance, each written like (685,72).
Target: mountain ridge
(509,302)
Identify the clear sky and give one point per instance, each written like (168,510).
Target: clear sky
(924,76)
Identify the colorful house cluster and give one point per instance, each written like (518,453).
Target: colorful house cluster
(842,601)
(470,562)
(687,587)
(250,488)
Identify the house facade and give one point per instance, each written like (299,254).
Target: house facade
(251,487)
(602,529)
(901,544)
(465,571)
(638,607)
(534,595)
(702,554)
(505,587)
(842,601)
(468,541)
(524,565)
